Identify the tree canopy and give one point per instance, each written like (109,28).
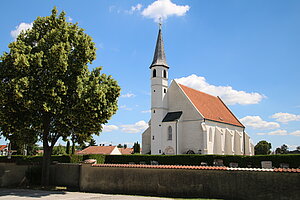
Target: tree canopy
(46,89)
(262,148)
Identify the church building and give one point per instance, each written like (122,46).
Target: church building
(188,121)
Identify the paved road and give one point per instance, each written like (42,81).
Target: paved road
(25,194)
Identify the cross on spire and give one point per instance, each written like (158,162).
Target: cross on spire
(160,23)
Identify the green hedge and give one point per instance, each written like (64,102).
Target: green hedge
(22,160)
(243,161)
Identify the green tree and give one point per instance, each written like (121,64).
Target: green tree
(92,142)
(120,146)
(262,148)
(284,149)
(47,90)
(136,147)
(298,148)
(68,147)
(59,150)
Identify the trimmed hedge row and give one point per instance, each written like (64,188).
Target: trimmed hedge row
(37,160)
(243,161)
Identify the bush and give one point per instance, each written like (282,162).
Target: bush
(33,160)
(191,159)
(194,159)
(79,158)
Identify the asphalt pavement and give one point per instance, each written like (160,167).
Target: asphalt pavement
(27,194)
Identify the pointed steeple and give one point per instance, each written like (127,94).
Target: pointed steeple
(159,58)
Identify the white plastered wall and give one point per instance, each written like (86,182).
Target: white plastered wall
(146,141)
(115,151)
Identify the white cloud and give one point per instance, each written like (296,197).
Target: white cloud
(128,95)
(285,117)
(295,133)
(21,27)
(163,9)
(137,7)
(281,132)
(70,19)
(229,95)
(133,9)
(146,111)
(109,128)
(124,107)
(138,127)
(257,123)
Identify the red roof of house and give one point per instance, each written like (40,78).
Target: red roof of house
(126,151)
(211,107)
(2,147)
(97,150)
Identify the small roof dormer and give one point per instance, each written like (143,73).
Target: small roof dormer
(159,58)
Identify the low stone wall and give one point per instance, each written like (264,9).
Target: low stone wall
(12,174)
(191,182)
(172,181)
(65,174)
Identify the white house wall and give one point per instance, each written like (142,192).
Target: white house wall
(116,151)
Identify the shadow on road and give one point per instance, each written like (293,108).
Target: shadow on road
(28,193)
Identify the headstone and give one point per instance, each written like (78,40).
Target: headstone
(131,163)
(284,165)
(153,162)
(142,163)
(203,164)
(233,164)
(218,163)
(266,164)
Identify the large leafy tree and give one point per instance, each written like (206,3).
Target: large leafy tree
(262,148)
(46,89)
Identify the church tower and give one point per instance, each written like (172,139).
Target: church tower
(159,86)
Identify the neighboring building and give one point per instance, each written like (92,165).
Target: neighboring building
(3,150)
(107,150)
(185,120)
(126,151)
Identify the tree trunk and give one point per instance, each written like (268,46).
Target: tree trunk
(47,152)
(46,166)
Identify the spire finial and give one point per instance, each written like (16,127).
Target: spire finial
(159,22)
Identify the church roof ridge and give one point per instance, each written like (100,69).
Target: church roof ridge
(159,58)
(199,91)
(211,107)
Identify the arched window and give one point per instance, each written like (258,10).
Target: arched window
(170,133)
(165,74)
(154,73)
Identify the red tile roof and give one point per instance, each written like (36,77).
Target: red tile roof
(97,150)
(2,147)
(126,151)
(211,107)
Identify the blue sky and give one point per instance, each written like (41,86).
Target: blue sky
(247,52)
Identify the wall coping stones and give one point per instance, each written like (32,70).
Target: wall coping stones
(195,167)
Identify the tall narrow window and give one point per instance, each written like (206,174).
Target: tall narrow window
(165,74)
(154,73)
(170,133)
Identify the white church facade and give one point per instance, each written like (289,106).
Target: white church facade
(186,121)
